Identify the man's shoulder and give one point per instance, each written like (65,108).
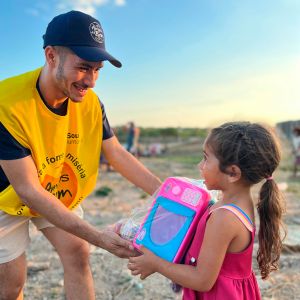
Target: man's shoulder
(19,82)
(23,76)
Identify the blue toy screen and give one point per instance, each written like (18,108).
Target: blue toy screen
(165,227)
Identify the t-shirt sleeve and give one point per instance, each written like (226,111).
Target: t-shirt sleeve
(107,131)
(10,148)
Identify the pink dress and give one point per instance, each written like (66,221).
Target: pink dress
(236,280)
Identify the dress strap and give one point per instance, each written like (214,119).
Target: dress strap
(244,218)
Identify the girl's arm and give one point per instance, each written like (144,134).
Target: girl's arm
(221,229)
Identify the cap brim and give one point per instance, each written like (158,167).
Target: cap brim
(94,54)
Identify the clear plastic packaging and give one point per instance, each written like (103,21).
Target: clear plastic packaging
(129,227)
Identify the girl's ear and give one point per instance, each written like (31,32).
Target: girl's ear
(234,173)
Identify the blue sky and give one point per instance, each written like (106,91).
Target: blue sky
(188,63)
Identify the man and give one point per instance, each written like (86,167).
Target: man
(51,133)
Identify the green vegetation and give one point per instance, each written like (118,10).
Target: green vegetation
(170,133)
(103,191)
(144,195)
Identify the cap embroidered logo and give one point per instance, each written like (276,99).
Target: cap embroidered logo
(96,32)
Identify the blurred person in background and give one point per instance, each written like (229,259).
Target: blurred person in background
(130,136)
(296,149)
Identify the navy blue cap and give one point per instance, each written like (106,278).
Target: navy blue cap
(82,34)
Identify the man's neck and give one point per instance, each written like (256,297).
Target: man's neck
(47,89)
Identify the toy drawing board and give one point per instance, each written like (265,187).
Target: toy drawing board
(171,221)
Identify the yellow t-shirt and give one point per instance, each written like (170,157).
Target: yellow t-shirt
(65,149)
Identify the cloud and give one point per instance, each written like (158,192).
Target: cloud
(120,2)
(87,6)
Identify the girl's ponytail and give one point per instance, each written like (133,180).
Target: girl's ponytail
(270,209)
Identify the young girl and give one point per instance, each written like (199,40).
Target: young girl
(218,264)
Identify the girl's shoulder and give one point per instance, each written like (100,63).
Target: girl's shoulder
(224,214)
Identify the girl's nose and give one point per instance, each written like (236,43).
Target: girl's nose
(200,165)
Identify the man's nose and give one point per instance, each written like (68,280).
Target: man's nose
(90,79)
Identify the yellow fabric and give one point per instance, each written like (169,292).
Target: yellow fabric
(65,149)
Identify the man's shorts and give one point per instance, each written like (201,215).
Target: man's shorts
(14,233)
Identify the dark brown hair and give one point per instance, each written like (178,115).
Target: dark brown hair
(255,150)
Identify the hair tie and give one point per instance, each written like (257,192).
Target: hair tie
(269,178)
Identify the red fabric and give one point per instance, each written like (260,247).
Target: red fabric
(236,280)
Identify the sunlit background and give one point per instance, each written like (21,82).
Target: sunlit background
(187,63)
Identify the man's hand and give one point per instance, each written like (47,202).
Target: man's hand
(116,245)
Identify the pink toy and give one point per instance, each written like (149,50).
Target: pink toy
(171,221)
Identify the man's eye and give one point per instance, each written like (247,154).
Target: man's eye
(83,69)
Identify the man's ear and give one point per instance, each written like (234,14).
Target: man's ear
(234,173)
(51,55)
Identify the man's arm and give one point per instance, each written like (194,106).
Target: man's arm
(22,175)
(129,167)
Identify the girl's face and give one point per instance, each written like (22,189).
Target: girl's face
(210,171)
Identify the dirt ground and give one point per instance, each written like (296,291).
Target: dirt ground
(113,280)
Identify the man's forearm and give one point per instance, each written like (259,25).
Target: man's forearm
(22,175)
(56,213)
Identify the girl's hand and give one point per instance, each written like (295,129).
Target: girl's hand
(145,264)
